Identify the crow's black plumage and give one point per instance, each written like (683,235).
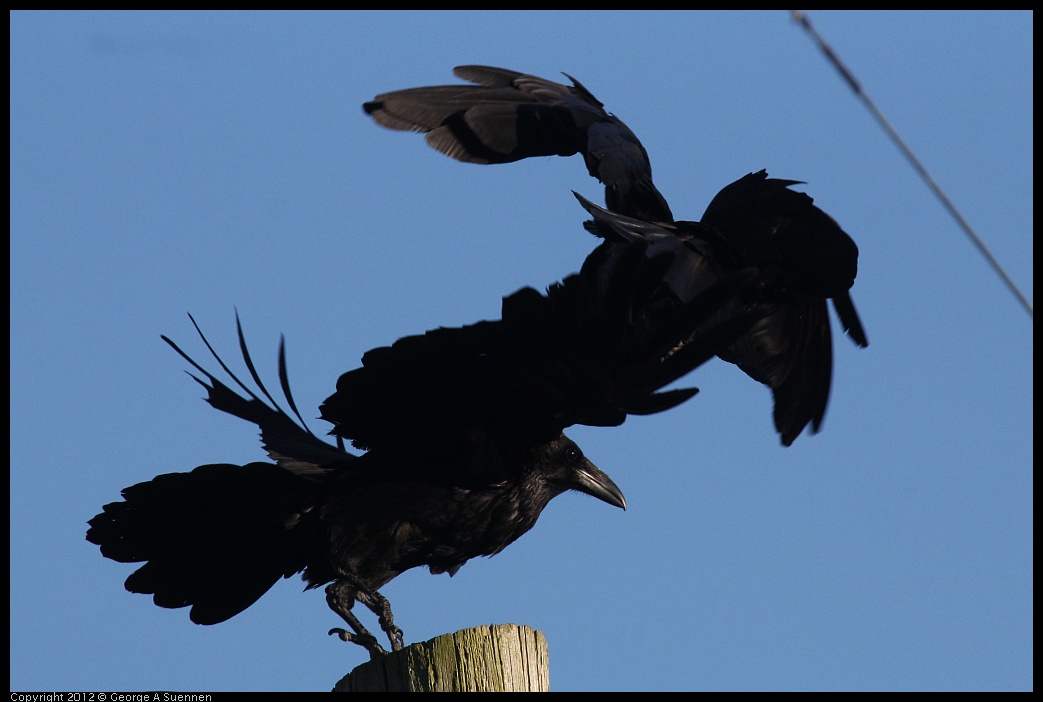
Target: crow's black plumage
(806,258)
(462,431)
(507,116)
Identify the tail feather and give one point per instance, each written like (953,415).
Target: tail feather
(214,539)
(217,538)
(849,320)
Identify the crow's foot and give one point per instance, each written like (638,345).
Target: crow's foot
(340,596)
(380,606)
(366,640)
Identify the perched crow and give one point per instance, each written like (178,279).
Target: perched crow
(754,222)
(462,429)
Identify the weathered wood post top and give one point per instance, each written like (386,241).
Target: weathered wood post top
(495,658)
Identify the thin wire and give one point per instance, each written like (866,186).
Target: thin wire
(802,18)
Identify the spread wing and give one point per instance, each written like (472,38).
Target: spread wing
(291,445)
(582,353)
(506,116)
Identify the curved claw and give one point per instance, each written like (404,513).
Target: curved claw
(366,641)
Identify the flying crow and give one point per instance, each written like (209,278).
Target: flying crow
(754,222)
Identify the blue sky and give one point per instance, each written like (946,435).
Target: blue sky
(195,162)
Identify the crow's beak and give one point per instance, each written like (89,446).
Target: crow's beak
(594,481)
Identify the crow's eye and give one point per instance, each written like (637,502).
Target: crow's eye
(572,454)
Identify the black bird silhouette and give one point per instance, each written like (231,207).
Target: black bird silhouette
(804,259)
(464,449)
(804,255)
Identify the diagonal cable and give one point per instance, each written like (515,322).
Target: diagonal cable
(802,18)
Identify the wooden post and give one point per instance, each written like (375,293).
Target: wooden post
(496,658)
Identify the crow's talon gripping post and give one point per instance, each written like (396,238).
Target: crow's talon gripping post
(380,606)
(366,641)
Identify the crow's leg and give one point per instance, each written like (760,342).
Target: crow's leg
(341,596)
(379,605)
